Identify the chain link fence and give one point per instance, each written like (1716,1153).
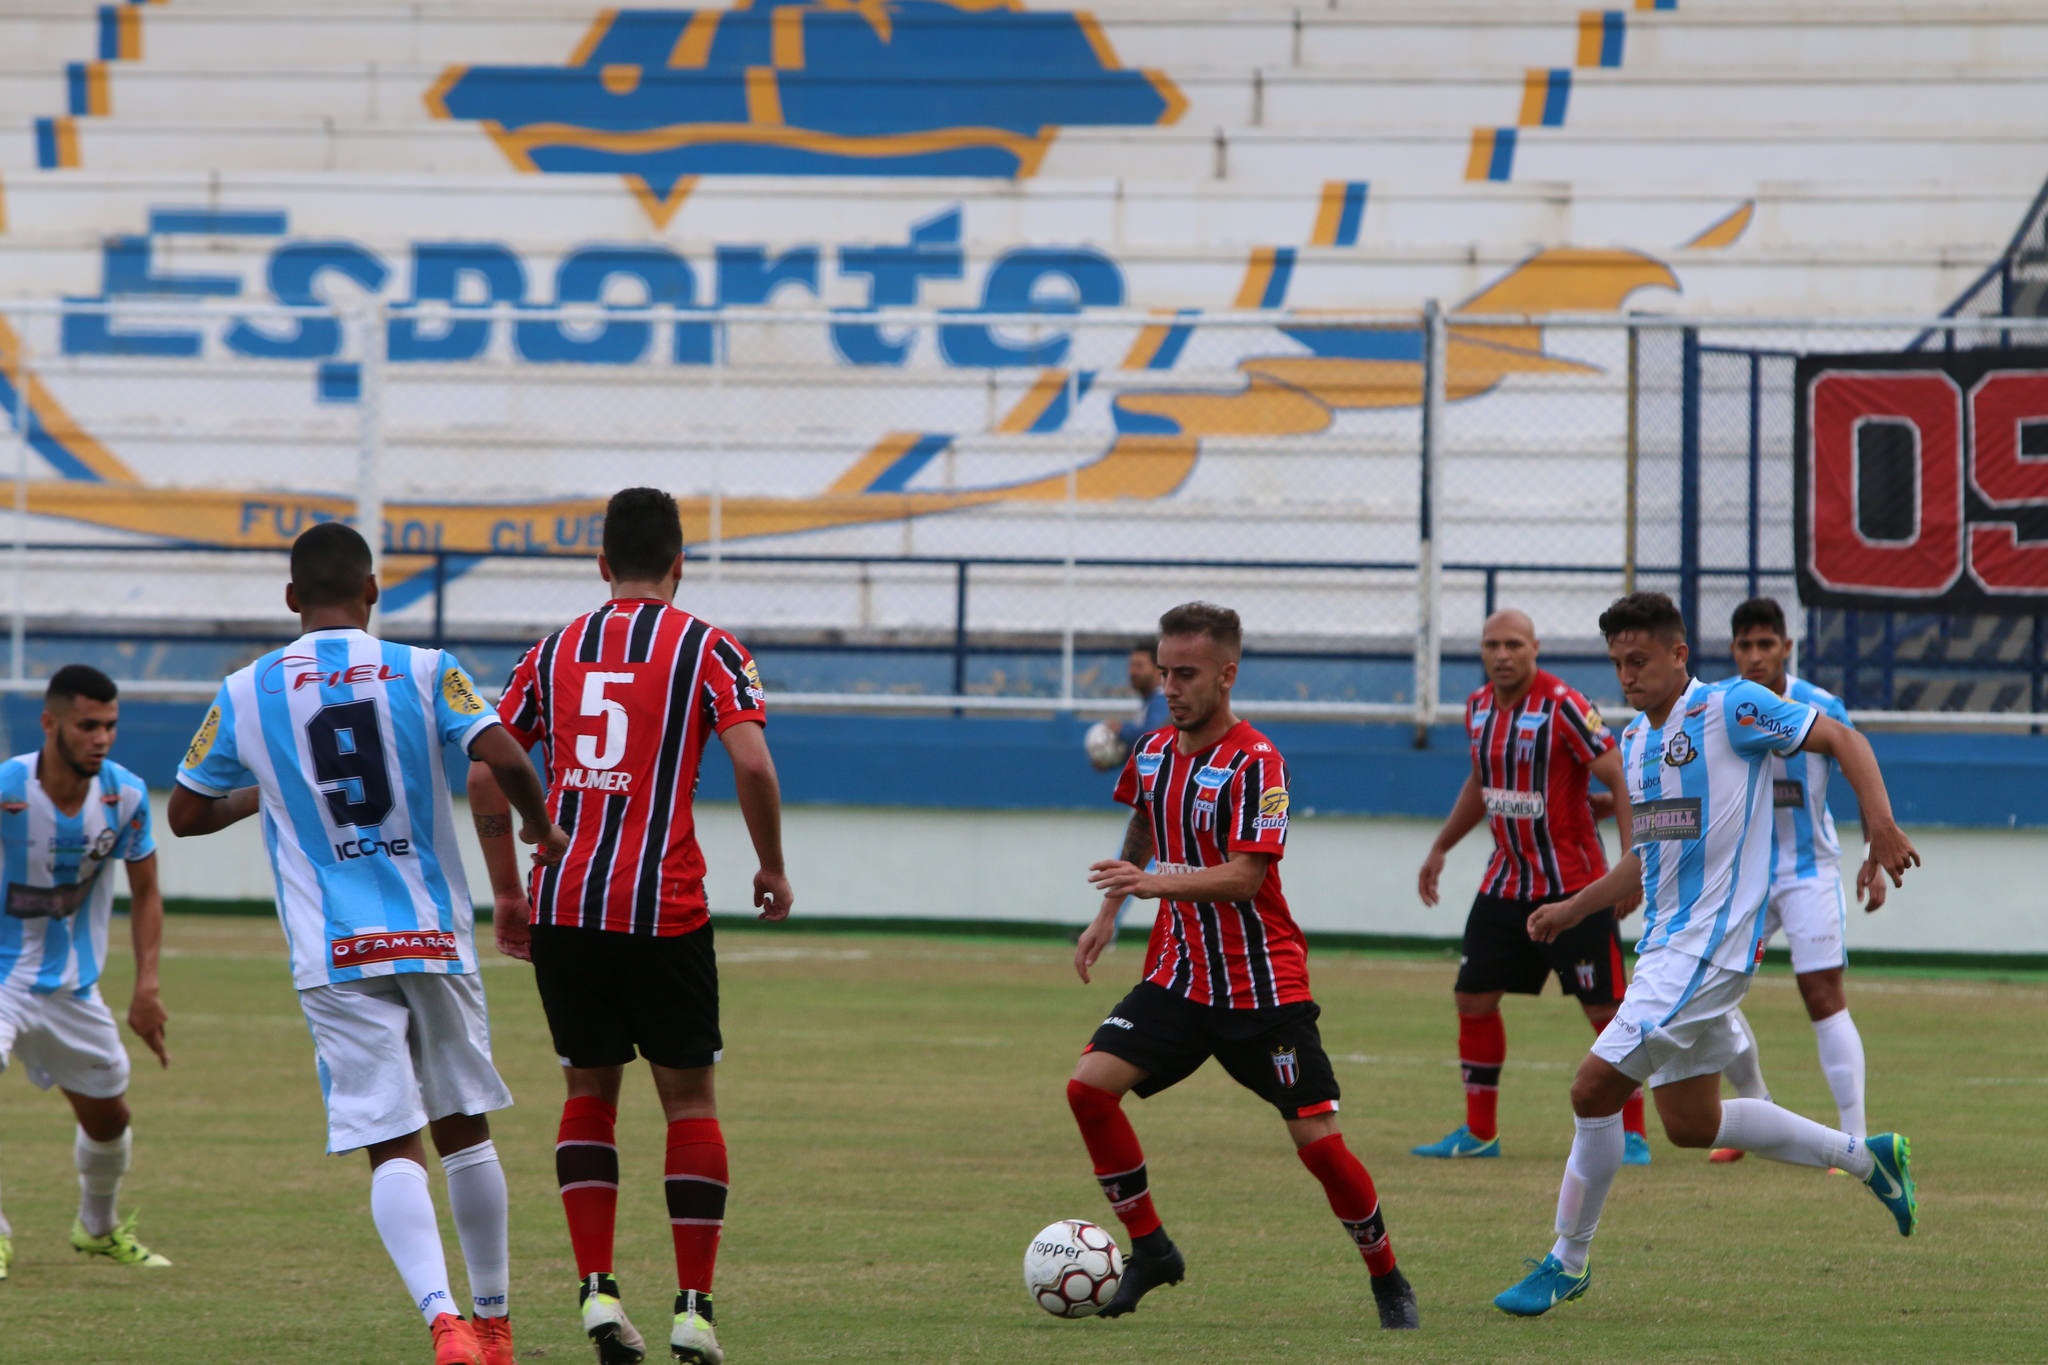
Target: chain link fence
(946,509)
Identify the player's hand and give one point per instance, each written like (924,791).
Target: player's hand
(772,894)
(549,845)
(512,925)
(1628,903)
(1546,922)
(1096,937)
(147,1016)
(1117,879)
(1603,805)
(1426,880)
(1891,853)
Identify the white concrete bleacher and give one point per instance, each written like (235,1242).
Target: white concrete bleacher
(1874,159)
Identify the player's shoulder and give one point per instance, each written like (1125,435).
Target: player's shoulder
(15,773)
(1555,689)
(122,781)
(1816,696)
(1253,744)
(1480,699)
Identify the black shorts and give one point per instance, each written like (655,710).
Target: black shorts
(1276,1052)
(607,993)
(1499,955)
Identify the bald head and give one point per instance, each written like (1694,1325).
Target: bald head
(1507,648)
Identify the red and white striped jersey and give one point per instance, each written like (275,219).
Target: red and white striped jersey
(1531,762)
(1230,798)
(622,702)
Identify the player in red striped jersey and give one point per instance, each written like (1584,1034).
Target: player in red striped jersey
(1534,742)
(621,702)
(1226,972)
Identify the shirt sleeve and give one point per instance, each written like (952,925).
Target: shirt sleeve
(519,709)
(211,766)
(1129,789)
(732,685)
(1580,729)
(138,838)
(1259,808)
(1760,722)
(460,715)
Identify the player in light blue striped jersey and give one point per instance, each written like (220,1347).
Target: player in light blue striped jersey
(68,814)
(1806,878)
(338,739)
(1698,761)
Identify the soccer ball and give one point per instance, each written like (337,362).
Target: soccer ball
(1104,745)
(1072,1268)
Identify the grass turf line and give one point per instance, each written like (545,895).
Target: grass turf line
(898,1130)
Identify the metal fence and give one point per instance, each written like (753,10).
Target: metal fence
(950,509)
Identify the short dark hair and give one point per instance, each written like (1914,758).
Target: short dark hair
(1205,618)
(643,533)
(330,564)
(1149,646)
(1759,611)
(80,680)
(1653,613)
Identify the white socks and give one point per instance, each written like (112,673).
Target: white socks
(476,1197)
(1597,1148)
(1841,1061)
(100,1167)
(1746,1072)
(403,1211)
(1762,1127)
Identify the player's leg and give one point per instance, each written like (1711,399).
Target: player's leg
(16,1007)
(1149,1042)
(672,993)
(459,1085)
(1814,929)
(583,999)
(1599,1091)
(1496,958)
(360,1031)
(696,1180)
(1587,960)
(1277,1054)
(78,1047)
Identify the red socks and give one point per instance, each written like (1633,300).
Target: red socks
(1119,1160)
(587,1168)
(1632,1107)
(697,1183)
(1482,1049)
(1352,1198)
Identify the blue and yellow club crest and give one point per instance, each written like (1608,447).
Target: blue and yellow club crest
(808,87)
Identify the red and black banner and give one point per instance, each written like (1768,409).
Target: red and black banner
(1921,481)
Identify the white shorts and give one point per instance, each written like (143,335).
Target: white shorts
(1813,914)
(64,1040)
(396,1051)
(1675,1021)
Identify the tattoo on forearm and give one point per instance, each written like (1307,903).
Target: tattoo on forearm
(494,826)
(1138,840)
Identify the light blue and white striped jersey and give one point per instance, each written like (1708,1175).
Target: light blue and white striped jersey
(1803,842)
(60,893)
(343,732)
(1699,789)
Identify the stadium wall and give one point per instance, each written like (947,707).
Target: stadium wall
(972,819)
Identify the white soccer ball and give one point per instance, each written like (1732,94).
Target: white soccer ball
(1072,1268)
(1104,745)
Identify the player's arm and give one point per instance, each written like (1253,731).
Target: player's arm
(193,813)
(1613,775)
(1237,879)
(1622,884)
(760,796)
(146,1013)
(1890,851)
(513,772)
(492,815)
(1466,813)
(1136,853)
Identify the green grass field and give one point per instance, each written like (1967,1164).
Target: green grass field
(898,1130)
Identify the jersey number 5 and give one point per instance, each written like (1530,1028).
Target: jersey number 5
(347,743)
(589,752)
